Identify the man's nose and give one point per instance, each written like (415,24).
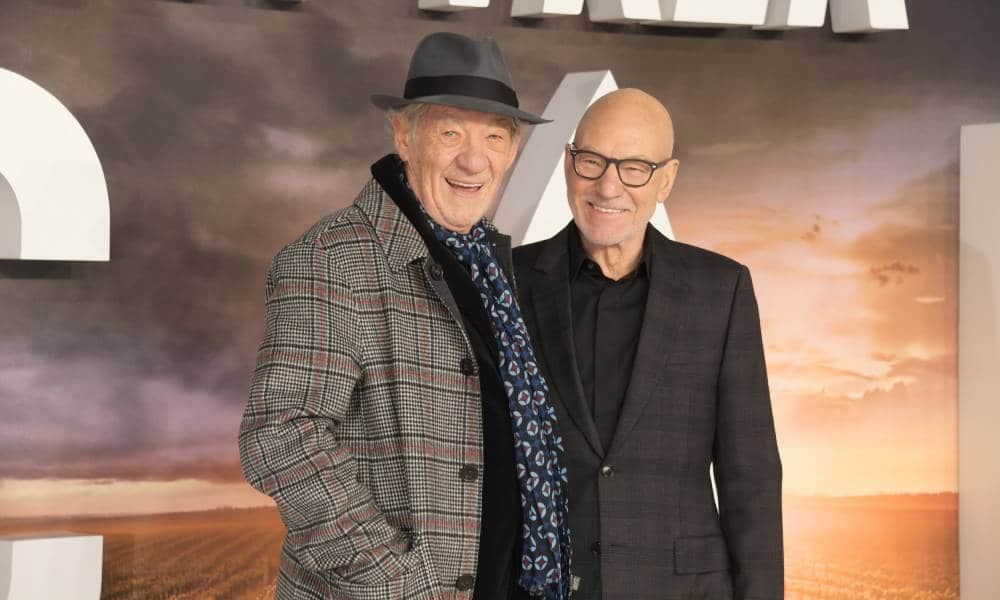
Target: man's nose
(472,158)
(610,184)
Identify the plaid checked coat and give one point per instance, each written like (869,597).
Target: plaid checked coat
(360,415)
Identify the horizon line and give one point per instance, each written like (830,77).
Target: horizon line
(272,506)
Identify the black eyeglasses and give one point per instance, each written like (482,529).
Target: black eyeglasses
(633,172)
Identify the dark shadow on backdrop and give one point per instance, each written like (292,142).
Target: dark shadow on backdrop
(37,269)
(260,4)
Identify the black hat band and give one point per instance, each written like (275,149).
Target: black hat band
(460,85)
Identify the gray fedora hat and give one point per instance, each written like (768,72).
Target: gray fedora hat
(451,69)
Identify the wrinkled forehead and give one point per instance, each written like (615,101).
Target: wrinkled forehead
(465,117)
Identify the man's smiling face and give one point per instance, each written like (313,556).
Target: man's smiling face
(456,160)
(624,124)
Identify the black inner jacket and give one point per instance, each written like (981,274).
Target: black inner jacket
(499,539)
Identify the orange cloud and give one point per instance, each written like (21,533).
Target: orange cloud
(859,322)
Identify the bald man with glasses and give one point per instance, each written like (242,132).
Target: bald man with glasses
(653,354)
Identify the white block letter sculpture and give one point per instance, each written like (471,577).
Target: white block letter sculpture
(53,196)
(794,14)
(545,8)
(867,16)
(848,16)
(451,5)
(710,13)
(59,566)
(623,11)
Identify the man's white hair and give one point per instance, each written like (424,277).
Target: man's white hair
(410,115)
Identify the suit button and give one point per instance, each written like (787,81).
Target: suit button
(435,271)
(468,366)
(595,548)
(607,471)
(468,473)
(465,582)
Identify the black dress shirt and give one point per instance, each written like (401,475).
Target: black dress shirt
(499,551)
(607,319)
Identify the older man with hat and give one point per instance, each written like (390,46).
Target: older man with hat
(397,416)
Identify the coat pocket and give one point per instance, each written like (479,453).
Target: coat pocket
(380,565)
(701,554)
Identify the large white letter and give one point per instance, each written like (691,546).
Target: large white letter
(26,563)
(794,14)
(978,357)
(50,171)
(710,13)
(451,5)
(545,8)
(534,205)
(865,16)
(623,11)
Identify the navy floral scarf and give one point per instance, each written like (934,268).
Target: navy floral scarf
(538,448)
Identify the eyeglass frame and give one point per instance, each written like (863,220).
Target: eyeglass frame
(653,166)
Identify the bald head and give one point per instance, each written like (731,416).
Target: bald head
(634,111)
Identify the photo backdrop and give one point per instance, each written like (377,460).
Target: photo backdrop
(828,164)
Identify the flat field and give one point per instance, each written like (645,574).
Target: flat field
(870,548)
(220,554)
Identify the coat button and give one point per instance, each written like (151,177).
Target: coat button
(469,473)
(607,471)
(465,582)
(595,548)
(435,271)
(468,366)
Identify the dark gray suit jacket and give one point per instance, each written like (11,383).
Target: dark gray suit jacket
(643,518)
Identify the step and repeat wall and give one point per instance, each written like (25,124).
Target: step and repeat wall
(828,163)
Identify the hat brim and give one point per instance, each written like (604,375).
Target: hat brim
(481,104)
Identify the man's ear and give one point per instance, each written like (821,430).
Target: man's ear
(401,136)
(668,178)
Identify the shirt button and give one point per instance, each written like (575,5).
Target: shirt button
(468,366)
(435,271)
(595,548)
(607,471)
(465,582)
(469,473)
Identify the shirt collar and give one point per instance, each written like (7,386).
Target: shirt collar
(578,258)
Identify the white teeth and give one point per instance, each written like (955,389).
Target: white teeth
(468,186)
(610,211)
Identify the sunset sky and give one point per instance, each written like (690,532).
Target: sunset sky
(826,164)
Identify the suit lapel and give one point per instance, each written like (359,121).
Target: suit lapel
(663,323)
(551,302)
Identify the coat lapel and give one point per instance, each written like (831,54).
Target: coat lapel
(551,301)
(663,323)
